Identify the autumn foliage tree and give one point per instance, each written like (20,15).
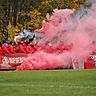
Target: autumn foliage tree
(18,14)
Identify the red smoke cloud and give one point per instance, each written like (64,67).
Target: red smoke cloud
(73,30)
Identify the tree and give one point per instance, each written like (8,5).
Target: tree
(15,14)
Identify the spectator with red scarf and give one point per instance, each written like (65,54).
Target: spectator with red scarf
(30,48)
(11,47)
(36,47)
(5,48)
(60,47)
(48,48)
(21,47)
(89,63)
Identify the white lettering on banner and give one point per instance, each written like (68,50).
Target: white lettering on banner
(21,59)
(16,60)
(12,60)
(5,62)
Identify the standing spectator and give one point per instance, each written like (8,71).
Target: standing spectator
(5,48)
(36,47)
(30,48)
(11,47)
(0,53)
(60,47)
(1,48)
(48,48)
(20,47)
(89,63)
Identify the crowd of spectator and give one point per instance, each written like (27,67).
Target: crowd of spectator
(24,46)
(7,47)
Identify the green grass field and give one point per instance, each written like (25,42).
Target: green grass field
(48,83)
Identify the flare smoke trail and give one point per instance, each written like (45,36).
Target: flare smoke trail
(78,30)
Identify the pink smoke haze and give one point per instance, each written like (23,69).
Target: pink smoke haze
(77,35)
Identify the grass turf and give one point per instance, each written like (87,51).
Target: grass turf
(48,83)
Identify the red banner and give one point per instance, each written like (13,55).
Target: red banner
(11,61)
